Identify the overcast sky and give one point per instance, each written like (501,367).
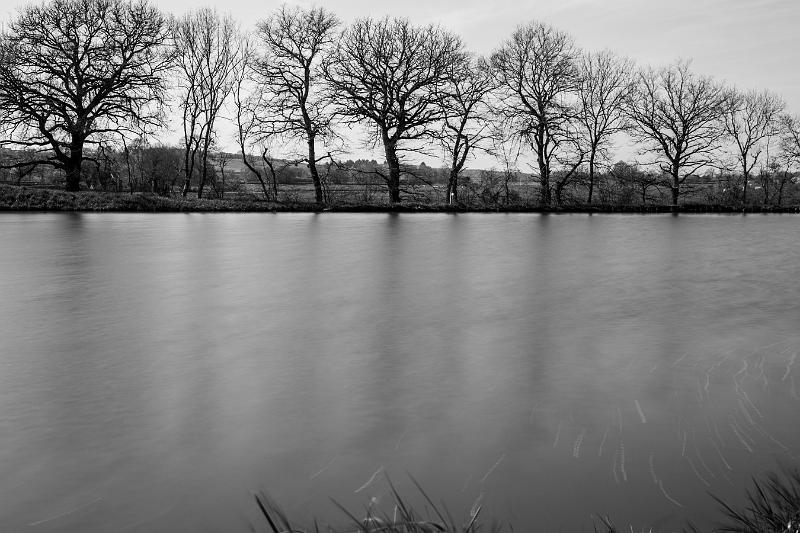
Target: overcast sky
(748,43)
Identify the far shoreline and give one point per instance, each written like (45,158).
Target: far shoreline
(15,198)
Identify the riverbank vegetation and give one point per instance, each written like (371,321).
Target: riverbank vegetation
(772,505)
(88,87)
(296,199)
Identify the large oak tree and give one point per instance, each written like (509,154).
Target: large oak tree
(75,71)
(391,74)
(676,116)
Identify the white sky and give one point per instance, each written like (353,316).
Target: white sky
(747,43)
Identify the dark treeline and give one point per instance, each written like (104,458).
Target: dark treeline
(86,87)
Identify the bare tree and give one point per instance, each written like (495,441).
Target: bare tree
(465,127)
(536,69)
(677,116)
(750,119)
(790,135)
(208,51)
(73,70)
(390,74)
(506,147)
(254,132)
(574,149)
(248,99)
(789,154)
(782,168)
(605,83)
(296,40)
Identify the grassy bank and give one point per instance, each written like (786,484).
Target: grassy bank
(16,198)
(772,505)
(13,198)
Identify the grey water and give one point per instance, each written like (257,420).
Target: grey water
(155,370)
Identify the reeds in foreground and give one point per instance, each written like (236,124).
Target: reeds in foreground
(403,519)
(772,506)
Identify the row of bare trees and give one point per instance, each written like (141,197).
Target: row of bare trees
(569,106)
(77,76)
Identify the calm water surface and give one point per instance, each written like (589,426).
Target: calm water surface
(156,369)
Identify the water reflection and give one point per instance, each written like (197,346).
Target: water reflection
(155,369)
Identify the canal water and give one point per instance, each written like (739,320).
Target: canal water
(156,370)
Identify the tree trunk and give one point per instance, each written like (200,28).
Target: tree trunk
(390,147)
(222,163)
(255,171)
(394,182)
(449,188)
(559,192)
(540,140)
(273,175)
(72,166)
(72,169)
(591,176)
(545,197)
(744,191)
(312,168)
(203,169)
(780,190)
(676,186)
(188,170)
(452,186)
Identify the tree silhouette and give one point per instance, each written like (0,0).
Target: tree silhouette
(390,74)
(677,117)
(75,71)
